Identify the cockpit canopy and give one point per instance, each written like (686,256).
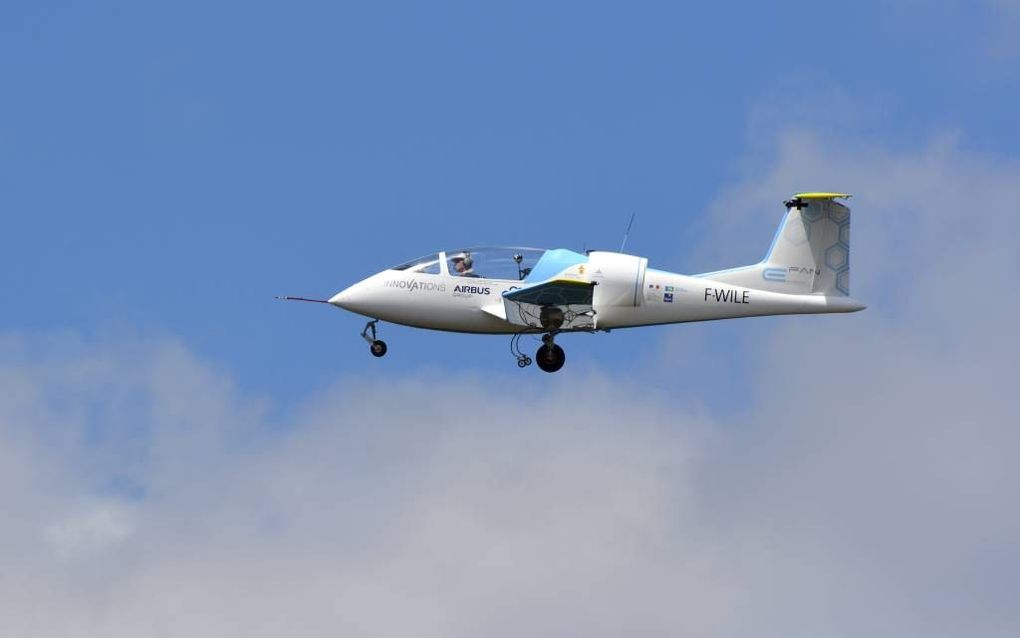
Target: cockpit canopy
(487,262)
(429,265)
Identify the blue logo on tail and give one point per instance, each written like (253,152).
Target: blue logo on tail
(774,274)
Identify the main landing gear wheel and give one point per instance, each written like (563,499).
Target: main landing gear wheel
(523,361)
(550,357)
(376,346)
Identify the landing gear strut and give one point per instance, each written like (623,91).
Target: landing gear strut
(550,357)
(376,346)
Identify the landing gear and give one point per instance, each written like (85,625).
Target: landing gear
(550,357)
(376,346)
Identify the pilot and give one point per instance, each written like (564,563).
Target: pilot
(463,265)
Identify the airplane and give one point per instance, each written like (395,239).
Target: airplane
(519,291)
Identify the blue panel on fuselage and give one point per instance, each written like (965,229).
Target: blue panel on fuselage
(553,262)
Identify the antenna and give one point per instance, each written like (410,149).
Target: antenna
(289,298)
(627,234)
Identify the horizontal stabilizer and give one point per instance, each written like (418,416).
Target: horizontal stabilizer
(823,195)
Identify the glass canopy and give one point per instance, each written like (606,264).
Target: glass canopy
(429,265)
(509,263)
(493,262)
(488,262)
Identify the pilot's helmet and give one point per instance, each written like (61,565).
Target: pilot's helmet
(464,257)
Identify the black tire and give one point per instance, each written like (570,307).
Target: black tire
(550,359)
(378,348)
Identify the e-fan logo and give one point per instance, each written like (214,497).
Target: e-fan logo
(781,274)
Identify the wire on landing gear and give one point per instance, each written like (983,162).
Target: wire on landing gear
(523,360)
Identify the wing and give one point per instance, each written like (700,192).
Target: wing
(557,304)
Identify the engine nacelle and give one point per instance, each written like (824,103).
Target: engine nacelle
(620,283)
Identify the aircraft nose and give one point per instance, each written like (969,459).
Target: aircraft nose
(357,298)
(344,298)
(366,297)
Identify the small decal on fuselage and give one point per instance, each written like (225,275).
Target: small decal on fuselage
(727,296)
(461,290)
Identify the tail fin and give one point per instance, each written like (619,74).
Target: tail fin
(810,253)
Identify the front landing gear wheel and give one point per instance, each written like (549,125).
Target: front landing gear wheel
(550,357)
(523,362)
(376,346)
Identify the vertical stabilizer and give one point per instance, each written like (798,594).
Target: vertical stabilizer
(810,253)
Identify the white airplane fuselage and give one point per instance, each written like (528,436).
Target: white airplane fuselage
(508,290)
(452,303)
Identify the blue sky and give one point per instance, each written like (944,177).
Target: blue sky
(168,168)
(181,452)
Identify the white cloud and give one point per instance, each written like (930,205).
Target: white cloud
(867,489)
(95,527)
(926,220)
